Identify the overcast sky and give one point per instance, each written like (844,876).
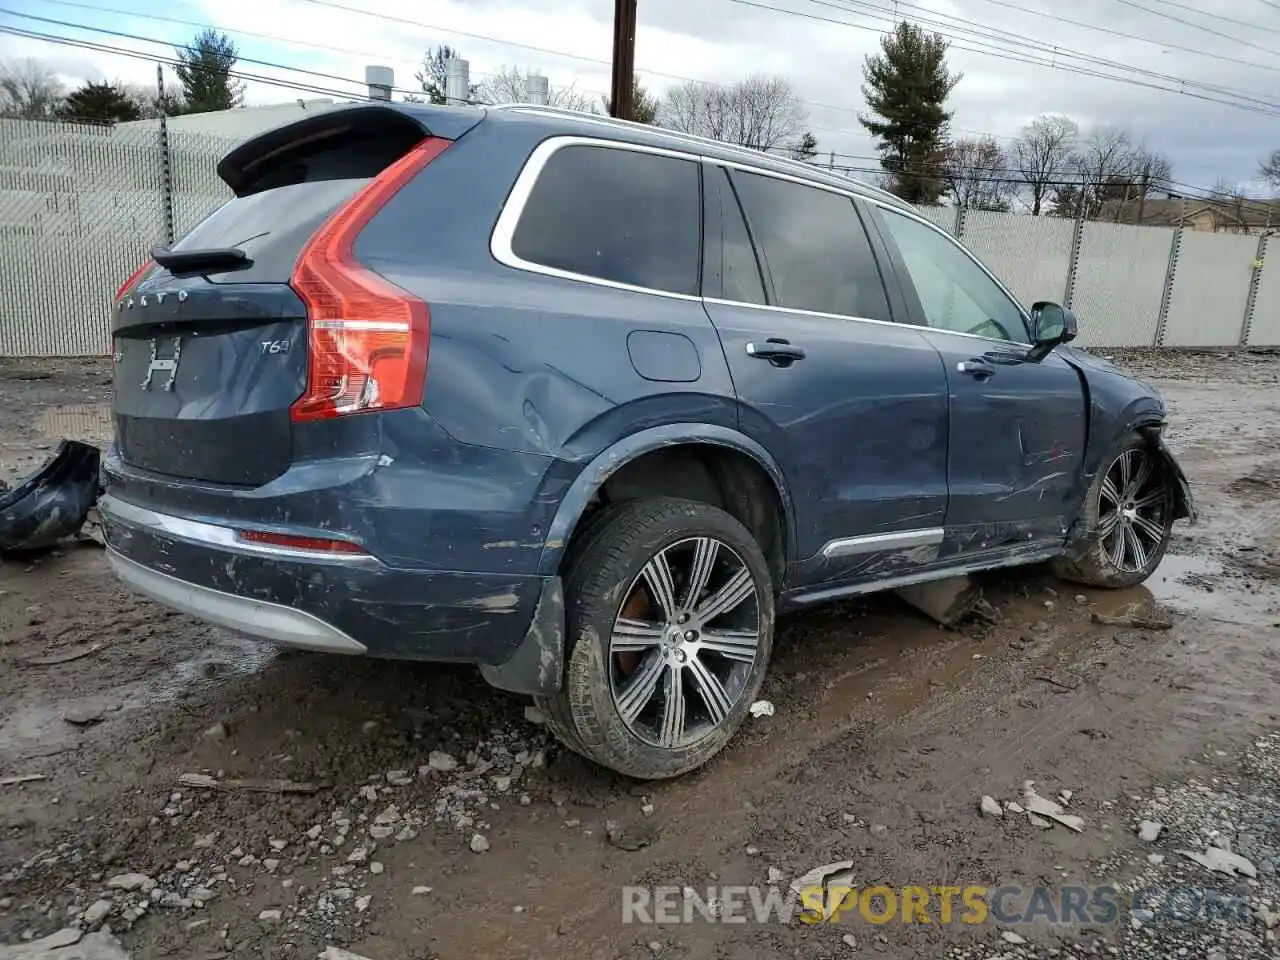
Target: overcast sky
(723,40)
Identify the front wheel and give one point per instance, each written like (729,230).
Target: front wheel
(670,610)
(1129,513)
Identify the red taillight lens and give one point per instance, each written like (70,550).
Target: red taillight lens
(367,339)
(289,542)
(134,278)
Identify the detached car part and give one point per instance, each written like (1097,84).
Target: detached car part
(51,503)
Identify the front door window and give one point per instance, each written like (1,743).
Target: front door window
(955,293)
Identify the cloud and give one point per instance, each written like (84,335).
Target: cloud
(721,40)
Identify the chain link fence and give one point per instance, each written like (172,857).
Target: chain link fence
(81,206)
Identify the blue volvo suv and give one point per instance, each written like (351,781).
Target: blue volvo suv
(586,403)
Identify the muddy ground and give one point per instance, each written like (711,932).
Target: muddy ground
(887,732)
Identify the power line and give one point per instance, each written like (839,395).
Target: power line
(274,38)
(1133,36)
(1197,26)
(164,43)
(267,63)
(1053,51)
(173,61)
(405,21)
(1219,16)
(1005,56)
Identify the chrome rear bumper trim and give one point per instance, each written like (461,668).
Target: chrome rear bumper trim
(216,535)
(256,618)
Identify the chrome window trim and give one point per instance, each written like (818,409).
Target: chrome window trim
(504,230)
(1017,305)
(612,123)
(214,535)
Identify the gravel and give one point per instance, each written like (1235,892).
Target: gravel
(1171,905)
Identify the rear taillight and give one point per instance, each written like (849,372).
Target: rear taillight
(367,339)
(134,278)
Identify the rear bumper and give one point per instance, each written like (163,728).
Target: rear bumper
(345,603)
(271,621)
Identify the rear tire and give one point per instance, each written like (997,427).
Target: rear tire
(1129,514)
(669,612)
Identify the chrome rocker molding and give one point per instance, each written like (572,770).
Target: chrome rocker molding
(256,618)
(876,542)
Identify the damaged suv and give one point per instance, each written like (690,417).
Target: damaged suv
(587,403)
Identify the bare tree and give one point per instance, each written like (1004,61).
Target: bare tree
(1269,168)
(1151,172)
(508,86)
(759,112)
(1104,161)
(30,90)
(976,174)
(1042,155)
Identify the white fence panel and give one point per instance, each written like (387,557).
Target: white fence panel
(944,217)
(197,190)
(1264,330)
(82,208)
(1120,274)
(1210,289)
(1030,255)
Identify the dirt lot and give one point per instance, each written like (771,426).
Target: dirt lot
(887,732)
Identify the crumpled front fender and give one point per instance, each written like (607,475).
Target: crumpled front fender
(51,503)
(1184,503)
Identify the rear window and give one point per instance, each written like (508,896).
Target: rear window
(615,214)
(289,180)
(814,247)
(271,227)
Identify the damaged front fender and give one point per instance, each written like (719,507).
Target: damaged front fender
(51,503)
(1184,503)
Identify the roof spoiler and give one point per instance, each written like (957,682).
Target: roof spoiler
(255,158)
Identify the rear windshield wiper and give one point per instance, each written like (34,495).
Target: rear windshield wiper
(209,260)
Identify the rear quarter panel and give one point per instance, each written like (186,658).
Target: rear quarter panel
(537,365)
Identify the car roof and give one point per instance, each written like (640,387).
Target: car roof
(556,121)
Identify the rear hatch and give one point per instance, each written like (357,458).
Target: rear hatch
(226,342)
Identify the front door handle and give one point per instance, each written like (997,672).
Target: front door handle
(779,352)
(975,368)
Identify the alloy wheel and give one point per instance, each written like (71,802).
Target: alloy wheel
(1133,507)
(684,642)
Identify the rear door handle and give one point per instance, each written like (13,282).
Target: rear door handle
(975,368)
(779,352)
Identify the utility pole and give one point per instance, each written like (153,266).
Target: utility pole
(624,58)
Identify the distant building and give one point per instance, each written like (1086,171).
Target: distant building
(1228,215)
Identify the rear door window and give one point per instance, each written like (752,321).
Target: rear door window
(813,247)
(615,214)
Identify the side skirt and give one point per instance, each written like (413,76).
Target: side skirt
(1018,556)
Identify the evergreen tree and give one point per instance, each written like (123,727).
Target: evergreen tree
(99,103)
(907,85)
(806,149)
(204,70)
(644,106)
(434,75)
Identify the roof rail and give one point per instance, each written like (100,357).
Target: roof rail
(694,139)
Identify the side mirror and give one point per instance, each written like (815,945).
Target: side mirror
(1051,325)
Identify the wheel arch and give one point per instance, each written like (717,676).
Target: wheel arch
(630,450)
